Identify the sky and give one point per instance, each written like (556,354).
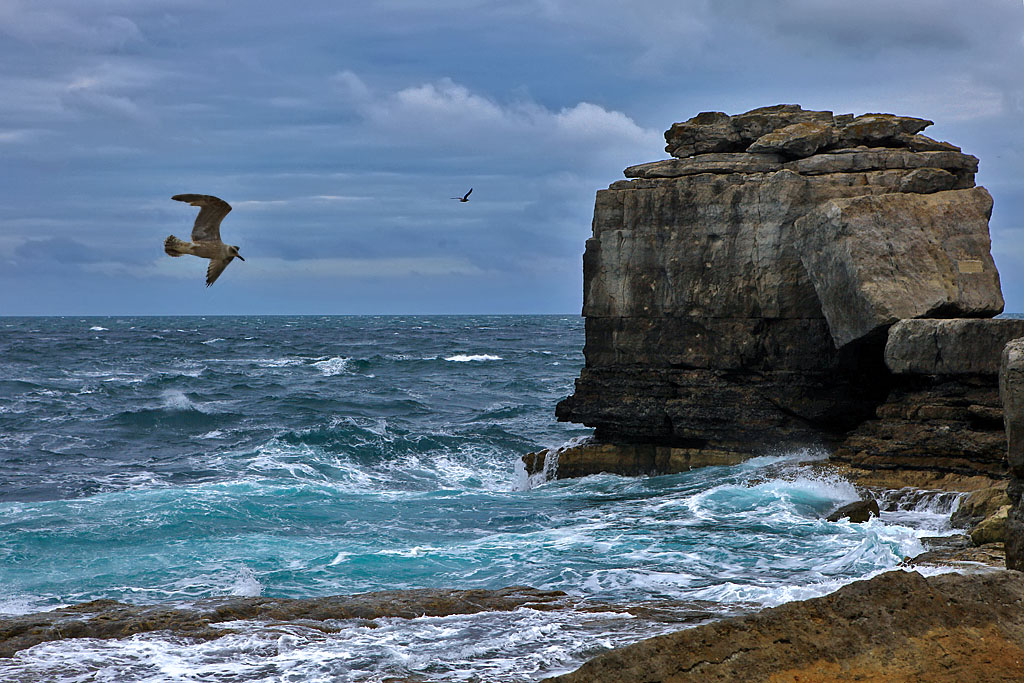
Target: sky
(339,130)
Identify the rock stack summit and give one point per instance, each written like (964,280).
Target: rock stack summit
(792,278)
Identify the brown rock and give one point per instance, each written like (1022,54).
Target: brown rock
(992,529)
(896,627)
(979,505)
(877,130)
(796,140)
(876,259)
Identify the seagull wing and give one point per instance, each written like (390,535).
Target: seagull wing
(211,212)
(467,194)
(215,268)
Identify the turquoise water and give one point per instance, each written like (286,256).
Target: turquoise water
(168,459)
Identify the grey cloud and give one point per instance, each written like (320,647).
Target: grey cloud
(59,251)
(70,25)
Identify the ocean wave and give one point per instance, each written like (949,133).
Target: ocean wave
(468,358)
(97,328)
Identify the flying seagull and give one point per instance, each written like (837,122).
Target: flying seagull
(205,235)
(465,197)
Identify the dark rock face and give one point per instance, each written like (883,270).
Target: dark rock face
(1011,387)
(943,412)
(857,511)
(896,627)
(738,296)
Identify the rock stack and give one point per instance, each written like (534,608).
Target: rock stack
(791,278)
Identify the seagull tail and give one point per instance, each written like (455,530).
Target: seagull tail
(175,247)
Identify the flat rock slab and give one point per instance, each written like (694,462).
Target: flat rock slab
(934,346)
(866,159)
(898,626)
(875,260)
(725,162)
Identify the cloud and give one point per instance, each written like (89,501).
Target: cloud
(57,250)
(20,135)
(445,113)
(83,95)
(36,23)
(372,268)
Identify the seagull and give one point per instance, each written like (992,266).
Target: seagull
(465,197)
(205,235)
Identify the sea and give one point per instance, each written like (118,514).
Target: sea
(163,460)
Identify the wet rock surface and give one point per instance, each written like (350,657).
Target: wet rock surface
(898,626)
(857,511)
(112,619)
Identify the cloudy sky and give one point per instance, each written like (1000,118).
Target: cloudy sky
(338,130)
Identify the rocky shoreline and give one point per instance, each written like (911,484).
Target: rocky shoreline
(898,626)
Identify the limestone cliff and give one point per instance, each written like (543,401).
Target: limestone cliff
(742,295)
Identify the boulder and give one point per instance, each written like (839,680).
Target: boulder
(876,130)
(933,346)
(857,511)
(874,260)
(796,140)
(992,529)
(979,505)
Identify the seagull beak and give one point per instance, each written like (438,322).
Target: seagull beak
(239,256)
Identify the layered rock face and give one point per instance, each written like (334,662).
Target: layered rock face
(739,295)
(1011,387)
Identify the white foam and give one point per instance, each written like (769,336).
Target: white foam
(468,358)
(333,366)
(212,341)
(246,585)
(97,328)
(175,399)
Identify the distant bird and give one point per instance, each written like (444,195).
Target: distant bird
(465,197)
(205,235)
